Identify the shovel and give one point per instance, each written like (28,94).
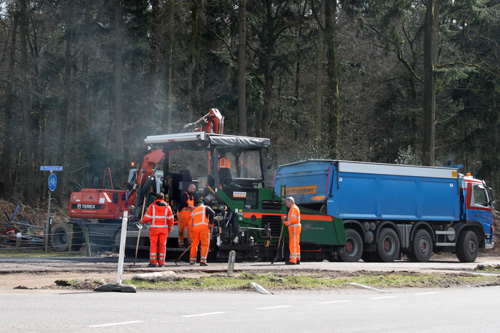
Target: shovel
(279,241)
(183,253)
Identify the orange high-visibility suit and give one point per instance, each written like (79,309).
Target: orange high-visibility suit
(161,219)
(294,229)
(185,218)
(201,232)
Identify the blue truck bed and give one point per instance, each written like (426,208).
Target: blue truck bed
(373,191)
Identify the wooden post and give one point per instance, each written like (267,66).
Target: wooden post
(87,242)
(70,236)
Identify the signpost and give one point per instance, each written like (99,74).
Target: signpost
(52,186)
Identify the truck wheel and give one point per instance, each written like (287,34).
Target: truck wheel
(60,237)
(353,248)
(467,246)
(388,245)
(421,247)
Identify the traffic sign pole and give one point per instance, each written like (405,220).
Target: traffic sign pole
(47,229)
(52,186)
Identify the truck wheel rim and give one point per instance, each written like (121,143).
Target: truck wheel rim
(388,245)
(424,245)
(472,246)
(350,246)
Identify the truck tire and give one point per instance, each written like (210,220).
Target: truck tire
(61,235)
(467,246)
(421,247)
(388,245)
(353,248)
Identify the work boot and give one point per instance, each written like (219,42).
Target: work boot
(298,262)
(191,263)
(161,265)
(290,263)
(203,264)
(151,265)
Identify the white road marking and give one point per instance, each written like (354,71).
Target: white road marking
(331,302)
(115,324)
(429,293)
(366,287)
(202,314)
(383,297)
(275,307)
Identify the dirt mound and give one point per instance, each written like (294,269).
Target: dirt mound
(25,213)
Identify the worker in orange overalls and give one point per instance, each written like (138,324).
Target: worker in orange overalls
(203,217)
(184,215)
(161,219)
(292,221)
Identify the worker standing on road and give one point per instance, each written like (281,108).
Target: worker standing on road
(161,219)
(184,214)
(203,217)
(292,221)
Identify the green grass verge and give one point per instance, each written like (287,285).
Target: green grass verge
(310,282)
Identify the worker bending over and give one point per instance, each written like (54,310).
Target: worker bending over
(203,217)
(161,219)
(184,215)
(292,221)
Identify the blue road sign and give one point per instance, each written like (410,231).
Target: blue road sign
(51,168)
(52,181)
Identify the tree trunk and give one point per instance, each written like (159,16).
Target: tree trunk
(431,30)
(333,97)
(118,117)
(319,74)
(153,60)
(267,114)
(28,144)
(242,64)
(166,117)
(194,59)
(7,191)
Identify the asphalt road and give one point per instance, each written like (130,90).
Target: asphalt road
(430,310)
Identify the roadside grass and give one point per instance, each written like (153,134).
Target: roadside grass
(316,282)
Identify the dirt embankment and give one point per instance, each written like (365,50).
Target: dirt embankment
(28,214)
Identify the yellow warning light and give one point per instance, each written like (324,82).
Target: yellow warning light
(132,164)
(468,174)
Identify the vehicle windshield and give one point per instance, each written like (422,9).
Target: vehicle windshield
(480,196)
(247,165)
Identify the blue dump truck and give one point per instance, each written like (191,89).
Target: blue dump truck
(389,210)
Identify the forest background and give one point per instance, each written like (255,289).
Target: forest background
(83,82)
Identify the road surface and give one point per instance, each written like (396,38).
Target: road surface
(429,310)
